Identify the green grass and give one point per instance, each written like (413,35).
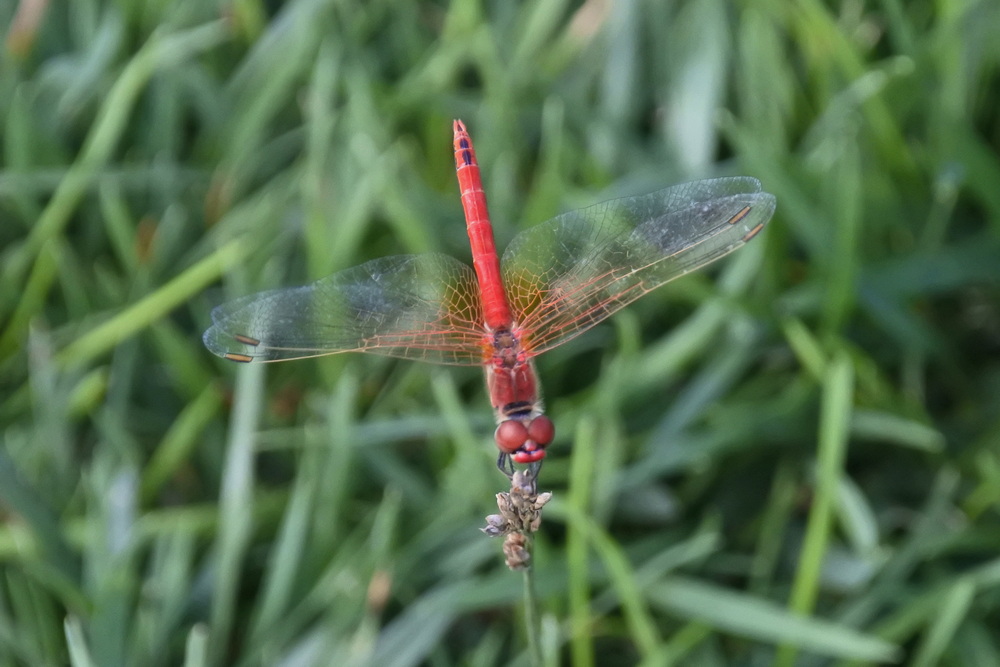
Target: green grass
(792,458)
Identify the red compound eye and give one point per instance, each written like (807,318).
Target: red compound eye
(510,435)
(541,430)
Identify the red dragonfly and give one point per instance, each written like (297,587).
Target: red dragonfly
(555,281)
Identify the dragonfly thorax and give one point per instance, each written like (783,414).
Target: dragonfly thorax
(512,386)
(507,350)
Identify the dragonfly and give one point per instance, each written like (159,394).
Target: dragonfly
(554,281)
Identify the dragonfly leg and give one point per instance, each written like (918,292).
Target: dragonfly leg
(506,465)
(533,469)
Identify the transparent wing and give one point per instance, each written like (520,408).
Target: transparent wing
(569,273)
(423,307)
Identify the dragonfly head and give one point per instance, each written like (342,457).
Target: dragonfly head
(525,439)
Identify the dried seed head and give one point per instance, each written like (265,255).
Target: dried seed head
(523,482)
(520,515)
(496,525)
(516,551)
(504,504)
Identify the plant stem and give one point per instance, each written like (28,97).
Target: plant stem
(532,620)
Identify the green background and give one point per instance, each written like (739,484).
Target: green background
(790,458)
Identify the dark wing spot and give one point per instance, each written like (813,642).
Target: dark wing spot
(246,340)
(753,232)
(743,212)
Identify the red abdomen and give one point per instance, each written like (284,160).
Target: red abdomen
(496,311)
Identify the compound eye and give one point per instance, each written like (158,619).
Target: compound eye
(510,435)
(541,430)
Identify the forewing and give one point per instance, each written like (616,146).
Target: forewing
(571,272)
(423,307)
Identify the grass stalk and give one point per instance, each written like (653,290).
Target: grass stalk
(835,415)
(532,617)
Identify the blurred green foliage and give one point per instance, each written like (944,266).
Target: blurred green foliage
(791,458)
